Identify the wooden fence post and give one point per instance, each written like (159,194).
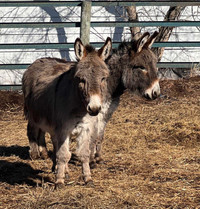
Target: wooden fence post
(85,21)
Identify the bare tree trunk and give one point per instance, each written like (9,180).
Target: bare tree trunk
(165,32)
(133,17)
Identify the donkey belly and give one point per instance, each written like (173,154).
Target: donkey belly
(43,125)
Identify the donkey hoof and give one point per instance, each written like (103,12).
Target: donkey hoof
(93,165)
(44,155)
(59,186)
(89,183)
(99,160)
(34,155)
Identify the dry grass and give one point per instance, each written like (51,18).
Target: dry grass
(151,153)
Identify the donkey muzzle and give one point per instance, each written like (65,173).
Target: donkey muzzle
(154,91)
(94,106)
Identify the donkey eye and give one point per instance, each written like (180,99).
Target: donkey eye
(103,79)
(141,67)
(82,83)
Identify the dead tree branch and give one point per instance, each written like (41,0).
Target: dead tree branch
(165,32)
(133,17)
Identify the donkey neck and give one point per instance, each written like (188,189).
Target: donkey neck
(117,64)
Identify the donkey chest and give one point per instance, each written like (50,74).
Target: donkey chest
(86,124)
(108,108)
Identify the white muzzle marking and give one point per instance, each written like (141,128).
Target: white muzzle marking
(94,105)
(153,91)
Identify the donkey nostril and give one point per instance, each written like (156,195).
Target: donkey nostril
(93,111)
(89,109)
(99,109)
(155,94)
(147,96)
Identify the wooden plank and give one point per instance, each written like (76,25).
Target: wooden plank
(98,45)
(160,65)
(102,24)
(85,22)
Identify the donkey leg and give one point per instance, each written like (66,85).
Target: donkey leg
(92,155)
(83,152)
(62,158)
(98,154)
(42,145)
(54,167)
(99,139)
(32,133)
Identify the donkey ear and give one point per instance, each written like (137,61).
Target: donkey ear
(142,41)
(105,50)
(151,40)
(79,49)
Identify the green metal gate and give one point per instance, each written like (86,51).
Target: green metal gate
(85,25)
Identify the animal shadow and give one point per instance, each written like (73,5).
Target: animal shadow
(21,152)
(19,173)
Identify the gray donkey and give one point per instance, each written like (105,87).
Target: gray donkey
(62,99)
(132,66)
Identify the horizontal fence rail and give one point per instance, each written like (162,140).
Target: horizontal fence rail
(159,65)
(25,66)
(71,45)
(11,87)
(98,3)
(103,24)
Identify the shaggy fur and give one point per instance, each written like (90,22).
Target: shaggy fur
(132,66)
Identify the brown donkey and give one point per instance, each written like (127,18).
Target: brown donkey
(61,99)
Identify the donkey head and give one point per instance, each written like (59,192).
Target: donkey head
(143,75)
(91,74)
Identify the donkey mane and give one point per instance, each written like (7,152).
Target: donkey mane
(125,48)
(119,57)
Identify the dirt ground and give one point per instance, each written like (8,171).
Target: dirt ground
(151,156)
